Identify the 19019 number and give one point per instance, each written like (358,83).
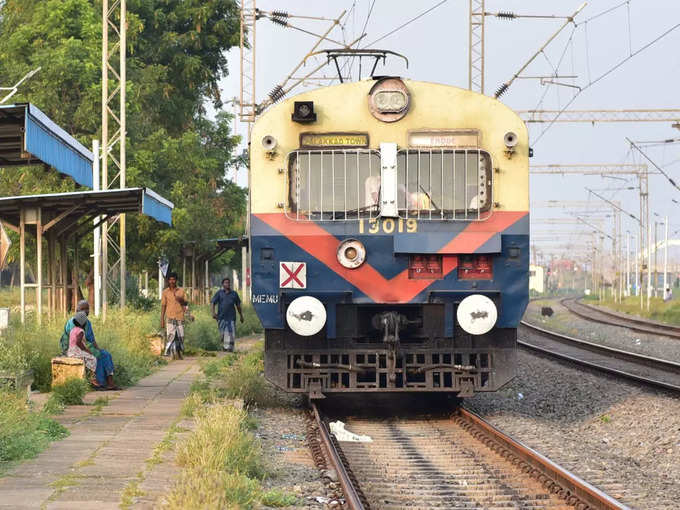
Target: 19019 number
(387,226)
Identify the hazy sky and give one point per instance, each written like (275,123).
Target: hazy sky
(437,48)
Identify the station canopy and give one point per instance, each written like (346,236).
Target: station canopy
(70,210)
(29,137)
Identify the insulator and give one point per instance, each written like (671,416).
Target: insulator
(277,94)
(279,21)
(506,15)
(501,90)
(280,14)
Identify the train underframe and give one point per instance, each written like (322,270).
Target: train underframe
(382,348)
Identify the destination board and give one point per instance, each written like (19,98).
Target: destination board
(328,140)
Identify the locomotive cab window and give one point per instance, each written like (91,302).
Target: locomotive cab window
(432,184)
(444,184)
(334,184)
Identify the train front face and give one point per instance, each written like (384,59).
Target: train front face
(389,238)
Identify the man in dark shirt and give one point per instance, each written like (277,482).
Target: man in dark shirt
(223,303)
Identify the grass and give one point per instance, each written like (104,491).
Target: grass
(23,432)
(222,460)
(29,346)
(131,491)
(203,335)
(659,310)
(278,498)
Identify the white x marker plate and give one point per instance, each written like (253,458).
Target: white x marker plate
(293,275)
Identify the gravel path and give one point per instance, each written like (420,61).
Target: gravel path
(621,437)
(282,431)
(565,322)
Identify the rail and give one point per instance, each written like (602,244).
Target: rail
(621,320)
(352,497)
(571,485)
(558,483)
(646,369)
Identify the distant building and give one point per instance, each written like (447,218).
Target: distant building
(536,278)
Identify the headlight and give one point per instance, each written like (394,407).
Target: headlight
(477,314)
(389,99)
(306,315)
(351,253)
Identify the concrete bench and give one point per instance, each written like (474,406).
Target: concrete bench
(64,368)
(17,381)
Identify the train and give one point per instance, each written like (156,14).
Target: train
(389,238)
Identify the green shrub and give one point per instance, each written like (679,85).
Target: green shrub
(251,324)
(24,433)
(203,332)
(199,489)
(221,442)
(278,498)
(70,393)
(245,380)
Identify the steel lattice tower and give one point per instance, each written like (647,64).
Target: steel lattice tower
(114,35)
(247,101)
(476,47)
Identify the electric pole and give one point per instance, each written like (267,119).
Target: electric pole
(114,131)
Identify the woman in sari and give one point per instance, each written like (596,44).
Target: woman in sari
(77,347)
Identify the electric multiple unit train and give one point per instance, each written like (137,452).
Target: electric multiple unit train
(389,236)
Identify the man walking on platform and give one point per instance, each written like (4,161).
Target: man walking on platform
(223,303)
(173,303)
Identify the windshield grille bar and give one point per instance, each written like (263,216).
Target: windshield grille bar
(345,184)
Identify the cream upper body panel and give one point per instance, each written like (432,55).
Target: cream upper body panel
(344,108)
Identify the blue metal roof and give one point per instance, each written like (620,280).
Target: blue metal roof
(29,137)
(81,205)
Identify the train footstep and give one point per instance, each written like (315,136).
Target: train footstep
(341,434)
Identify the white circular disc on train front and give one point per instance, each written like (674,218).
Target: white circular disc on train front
(477,314)
(306,315)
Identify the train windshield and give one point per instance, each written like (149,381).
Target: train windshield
(334,184)
(431,184)
(443,184)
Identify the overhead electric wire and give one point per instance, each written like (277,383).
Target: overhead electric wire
(407,23)
(668,177)
(605,74)
(606,11)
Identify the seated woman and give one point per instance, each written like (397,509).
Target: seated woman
(78,349)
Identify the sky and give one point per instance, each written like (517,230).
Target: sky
(436,45)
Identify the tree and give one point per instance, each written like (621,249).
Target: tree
(176,58)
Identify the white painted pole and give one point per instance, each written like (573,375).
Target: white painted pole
(627,264)
(665,259)
(637,267)
(160,281)
(97,234)
(649,267)
(244,270)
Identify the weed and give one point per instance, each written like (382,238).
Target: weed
(70,393)
(605,418)
(222,442)
(23,432)
(131,491)
(213,489)
(245,380)
(278,498)
(66,481)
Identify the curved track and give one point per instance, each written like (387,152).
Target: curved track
(597,314)
(646,369)
(453,462)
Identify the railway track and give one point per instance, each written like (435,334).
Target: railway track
(454,462)
(595,314)
(638,367)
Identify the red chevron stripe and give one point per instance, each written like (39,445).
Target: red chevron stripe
(323,246)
